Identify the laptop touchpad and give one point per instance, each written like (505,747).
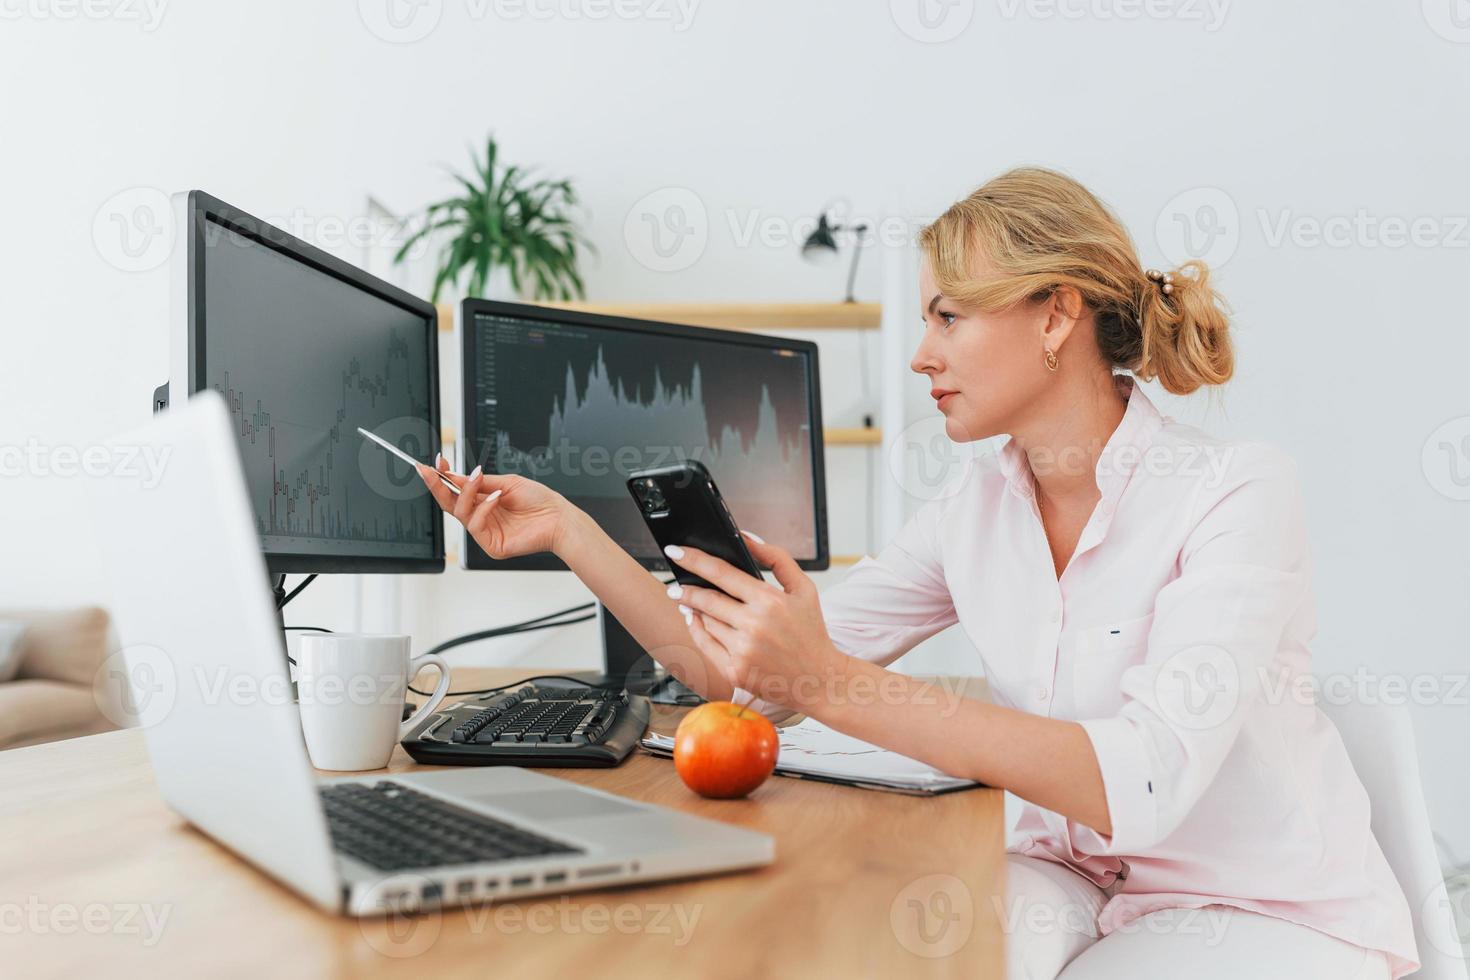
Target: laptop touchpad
(555,804)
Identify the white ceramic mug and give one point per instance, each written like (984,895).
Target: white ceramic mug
(351,688)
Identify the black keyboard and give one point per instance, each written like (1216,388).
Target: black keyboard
(394,828)
(534,725)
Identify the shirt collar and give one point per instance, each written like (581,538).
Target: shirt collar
(1120,456)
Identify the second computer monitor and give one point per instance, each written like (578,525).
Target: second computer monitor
(305,348)
(578,401)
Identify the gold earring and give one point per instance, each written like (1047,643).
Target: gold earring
(1051,359)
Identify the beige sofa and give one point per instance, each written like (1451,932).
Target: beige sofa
(51,696)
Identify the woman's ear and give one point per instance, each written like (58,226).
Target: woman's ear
(1060,312)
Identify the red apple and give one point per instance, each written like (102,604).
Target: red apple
(724,751)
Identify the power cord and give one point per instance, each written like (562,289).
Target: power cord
(283,597)
(524,680)
(530,626)
(548,621)
(537,624)
(526,626)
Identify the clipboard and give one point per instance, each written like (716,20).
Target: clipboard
(810,750)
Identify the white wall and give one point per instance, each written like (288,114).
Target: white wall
(1351,355)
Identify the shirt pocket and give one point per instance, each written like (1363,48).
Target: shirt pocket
(1101,655)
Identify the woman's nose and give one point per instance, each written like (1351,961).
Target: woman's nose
(924,361)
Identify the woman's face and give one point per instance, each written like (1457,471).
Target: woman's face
(986,370)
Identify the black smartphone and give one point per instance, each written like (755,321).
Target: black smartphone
(682,506)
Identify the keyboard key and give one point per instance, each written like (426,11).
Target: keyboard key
(394,828)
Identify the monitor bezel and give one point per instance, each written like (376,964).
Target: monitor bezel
(194,210)
(475,558)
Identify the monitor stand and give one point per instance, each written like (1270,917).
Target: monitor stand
(278,593)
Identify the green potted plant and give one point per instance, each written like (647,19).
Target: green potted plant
(505,219)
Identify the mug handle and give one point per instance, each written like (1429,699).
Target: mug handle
(442,688)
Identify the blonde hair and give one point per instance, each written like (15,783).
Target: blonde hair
(1036,230)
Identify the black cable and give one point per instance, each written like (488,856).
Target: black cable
(296,591)
(525,626)
(505,687)
(522,626)
(317,629)
(551,615)
(503,631)
(508,630)
(482,635)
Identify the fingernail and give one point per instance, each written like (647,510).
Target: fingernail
(492,496)
(675,591)
(674,551)
(476,472)
(753,536)
(685,610)
(689,619)
(439,458)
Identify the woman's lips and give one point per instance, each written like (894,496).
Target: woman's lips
(942,395)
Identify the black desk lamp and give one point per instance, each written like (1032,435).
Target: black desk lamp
(821,246)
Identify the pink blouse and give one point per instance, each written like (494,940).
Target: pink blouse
(1174,636)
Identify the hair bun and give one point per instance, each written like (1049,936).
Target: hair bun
(1185,330)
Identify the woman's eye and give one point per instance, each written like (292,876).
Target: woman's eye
(948,318)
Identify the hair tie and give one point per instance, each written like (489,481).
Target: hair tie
(1165,280)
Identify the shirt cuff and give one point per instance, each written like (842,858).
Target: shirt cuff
(1128,782)
(775,712)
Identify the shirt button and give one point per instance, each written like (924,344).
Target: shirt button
(1042,693)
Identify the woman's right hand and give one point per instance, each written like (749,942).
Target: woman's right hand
(507,516)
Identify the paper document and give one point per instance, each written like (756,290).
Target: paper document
(811,750)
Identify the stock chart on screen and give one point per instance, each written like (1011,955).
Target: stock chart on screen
(302,360)
(580,407)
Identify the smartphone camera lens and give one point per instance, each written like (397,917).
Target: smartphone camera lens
(650,496)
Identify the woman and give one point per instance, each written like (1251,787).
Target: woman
(1138,593)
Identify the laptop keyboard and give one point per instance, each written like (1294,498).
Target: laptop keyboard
(394,828)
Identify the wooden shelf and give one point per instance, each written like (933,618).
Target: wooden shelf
(775,317)
(853,437)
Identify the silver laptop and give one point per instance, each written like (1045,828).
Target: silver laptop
(209,680)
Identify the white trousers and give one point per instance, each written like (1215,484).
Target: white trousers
(1050,923)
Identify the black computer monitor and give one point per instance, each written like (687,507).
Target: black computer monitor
(306,348)
(579,400)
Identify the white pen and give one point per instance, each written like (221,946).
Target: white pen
(409,459)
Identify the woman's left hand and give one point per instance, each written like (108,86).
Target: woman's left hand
(772,640)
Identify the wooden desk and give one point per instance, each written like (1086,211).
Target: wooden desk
(864,884)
